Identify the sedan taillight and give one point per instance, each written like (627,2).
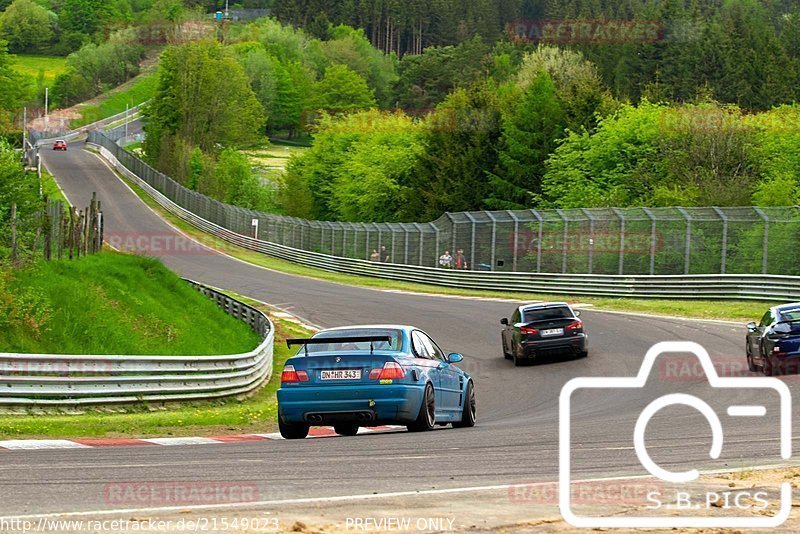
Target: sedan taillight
(389,371)
(289,375)
(528,331)
(576,327)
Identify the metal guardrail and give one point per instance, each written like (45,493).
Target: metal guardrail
(730,286)
(71,135)
(64,380)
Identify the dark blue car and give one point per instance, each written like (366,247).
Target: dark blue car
(372,375)
(773,345)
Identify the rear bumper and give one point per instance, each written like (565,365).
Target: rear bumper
(570,345)
(367,405)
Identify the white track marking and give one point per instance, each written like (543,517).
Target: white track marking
(359,497)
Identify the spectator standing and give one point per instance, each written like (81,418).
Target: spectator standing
(374,256)
(384,254)
(446,260)
(461,260)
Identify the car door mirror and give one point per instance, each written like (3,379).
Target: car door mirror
(504,321)
(577,313)
(454,357)
(751,326)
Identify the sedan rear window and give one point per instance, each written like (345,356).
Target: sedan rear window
(395,345)
(547,314)
(790,315)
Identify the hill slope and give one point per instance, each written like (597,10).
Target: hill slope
(112,304)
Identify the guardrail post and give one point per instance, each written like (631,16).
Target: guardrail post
(765,245)
(724,259)
(652,240)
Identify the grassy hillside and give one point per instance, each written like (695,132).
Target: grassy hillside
(130,94)
(112,304)
(32,65)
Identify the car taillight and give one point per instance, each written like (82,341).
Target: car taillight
(289,375)
(389,371)
(577,326)
(528,331)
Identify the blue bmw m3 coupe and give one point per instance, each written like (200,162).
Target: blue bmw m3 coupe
(372,375)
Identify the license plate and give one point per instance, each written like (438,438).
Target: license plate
(341,374)
(553,332)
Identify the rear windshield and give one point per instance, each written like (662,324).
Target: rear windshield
(547,314)
(395,345)
(790,315)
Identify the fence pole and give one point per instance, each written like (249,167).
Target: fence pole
(436,249)
(688,246)
(591,237)
(765,245)
(13,232)
(515,245)
(539,236)
(421,242)
(472,239)
(724,258)
(621,218)
(494,239)
(565,239)
(652,240)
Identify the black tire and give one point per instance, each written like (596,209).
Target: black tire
(518,362)
(768,368)
(750,363)
(583,354)
(426,419)
(292,430)
(470,412)
(346,429)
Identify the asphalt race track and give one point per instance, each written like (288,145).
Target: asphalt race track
(516,439)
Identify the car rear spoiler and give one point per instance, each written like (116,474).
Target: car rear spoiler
(325,340)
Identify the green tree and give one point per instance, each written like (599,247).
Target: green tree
(342,89)
(576,81)
(15,88)
(530,129)
(203,97)
(461,136)
(26,26)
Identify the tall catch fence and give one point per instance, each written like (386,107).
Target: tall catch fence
(613,241)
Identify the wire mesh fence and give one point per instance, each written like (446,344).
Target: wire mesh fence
(624,241)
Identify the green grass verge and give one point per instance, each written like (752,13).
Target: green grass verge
(31,65)
(115,101)
(50,188)
(112,303)
(253,415)
(732,310)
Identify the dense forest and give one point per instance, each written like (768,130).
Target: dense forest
(699,111)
